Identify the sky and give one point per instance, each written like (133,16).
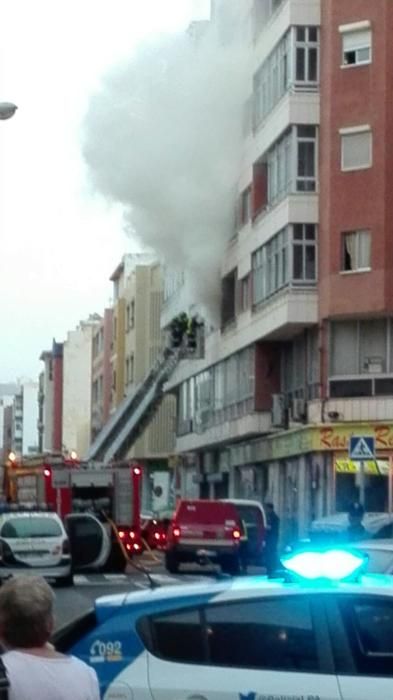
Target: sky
(59,240)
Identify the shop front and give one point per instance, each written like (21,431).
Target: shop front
(307,472)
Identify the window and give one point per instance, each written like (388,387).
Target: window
(306,159)
(271,81)
(356,251)
(263,634)
(245,206)
(307,55)
(356,148)
(359,348)
(293,62)
(244,293)
(30,527)
(369,624)
(285,175)
(279,164)
(290,256)
(304,253)
(178,637)
(228,298)
(356,44)
(132,314)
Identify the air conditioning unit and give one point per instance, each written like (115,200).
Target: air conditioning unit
(373,365)
(298,410)
(278,410)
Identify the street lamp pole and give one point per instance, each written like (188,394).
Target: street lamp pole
(7,110)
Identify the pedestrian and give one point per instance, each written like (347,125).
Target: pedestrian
(34,668)
(356,530)
(272,535)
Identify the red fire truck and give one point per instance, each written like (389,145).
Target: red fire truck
(89,497)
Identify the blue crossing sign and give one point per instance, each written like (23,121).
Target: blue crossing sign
(361,447)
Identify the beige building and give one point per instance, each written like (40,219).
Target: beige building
(77,382)
(136,344)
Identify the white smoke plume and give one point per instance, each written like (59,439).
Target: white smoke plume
(163,137)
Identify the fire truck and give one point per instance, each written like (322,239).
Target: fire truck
(99,504)
(99,499)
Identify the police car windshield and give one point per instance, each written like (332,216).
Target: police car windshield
(17,527)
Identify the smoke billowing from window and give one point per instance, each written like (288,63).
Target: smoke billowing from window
(163,137)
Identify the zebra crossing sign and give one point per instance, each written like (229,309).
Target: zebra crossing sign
(361,448)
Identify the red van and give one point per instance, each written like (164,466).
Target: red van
(205,531)
(253,518)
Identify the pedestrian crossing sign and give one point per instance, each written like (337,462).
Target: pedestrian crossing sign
(361,448)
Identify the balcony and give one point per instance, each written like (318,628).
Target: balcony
(364,409)
(245,427)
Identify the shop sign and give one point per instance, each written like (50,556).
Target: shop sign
(338,437)
(371,467)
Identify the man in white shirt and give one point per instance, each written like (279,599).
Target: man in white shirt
(34,668)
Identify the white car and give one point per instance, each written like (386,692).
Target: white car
(34,542)
(324,634)
(380,555)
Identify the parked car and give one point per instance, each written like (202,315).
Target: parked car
(205,531)
(333,528)
(242,638)
(34,541)
(380,555)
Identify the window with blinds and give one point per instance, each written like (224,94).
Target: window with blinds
(356,47)
(356,148)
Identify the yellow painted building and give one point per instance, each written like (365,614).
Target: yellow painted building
(136,345)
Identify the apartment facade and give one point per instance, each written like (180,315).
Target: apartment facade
(50,399)
(7,393)
(137,341)
(77,387)
(101,372)
(24,419)
(302,358)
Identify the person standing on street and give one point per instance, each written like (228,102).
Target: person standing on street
(272,535)
(34,668)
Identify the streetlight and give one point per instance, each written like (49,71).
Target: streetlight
(7,110)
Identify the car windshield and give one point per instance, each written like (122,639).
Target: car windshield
(30,527)
(380,561)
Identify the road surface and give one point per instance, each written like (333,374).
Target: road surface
(72,602)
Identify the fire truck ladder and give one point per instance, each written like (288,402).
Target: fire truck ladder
(134,413)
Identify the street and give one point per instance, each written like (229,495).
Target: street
(72,602)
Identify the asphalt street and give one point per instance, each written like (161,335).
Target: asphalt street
(72,602)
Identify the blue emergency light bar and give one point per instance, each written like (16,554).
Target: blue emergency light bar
(327,565)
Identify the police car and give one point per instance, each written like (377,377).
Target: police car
(322,632)
(34,540)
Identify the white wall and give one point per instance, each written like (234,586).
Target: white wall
(77,389)
(30,417)
(4,401)
(47,438)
